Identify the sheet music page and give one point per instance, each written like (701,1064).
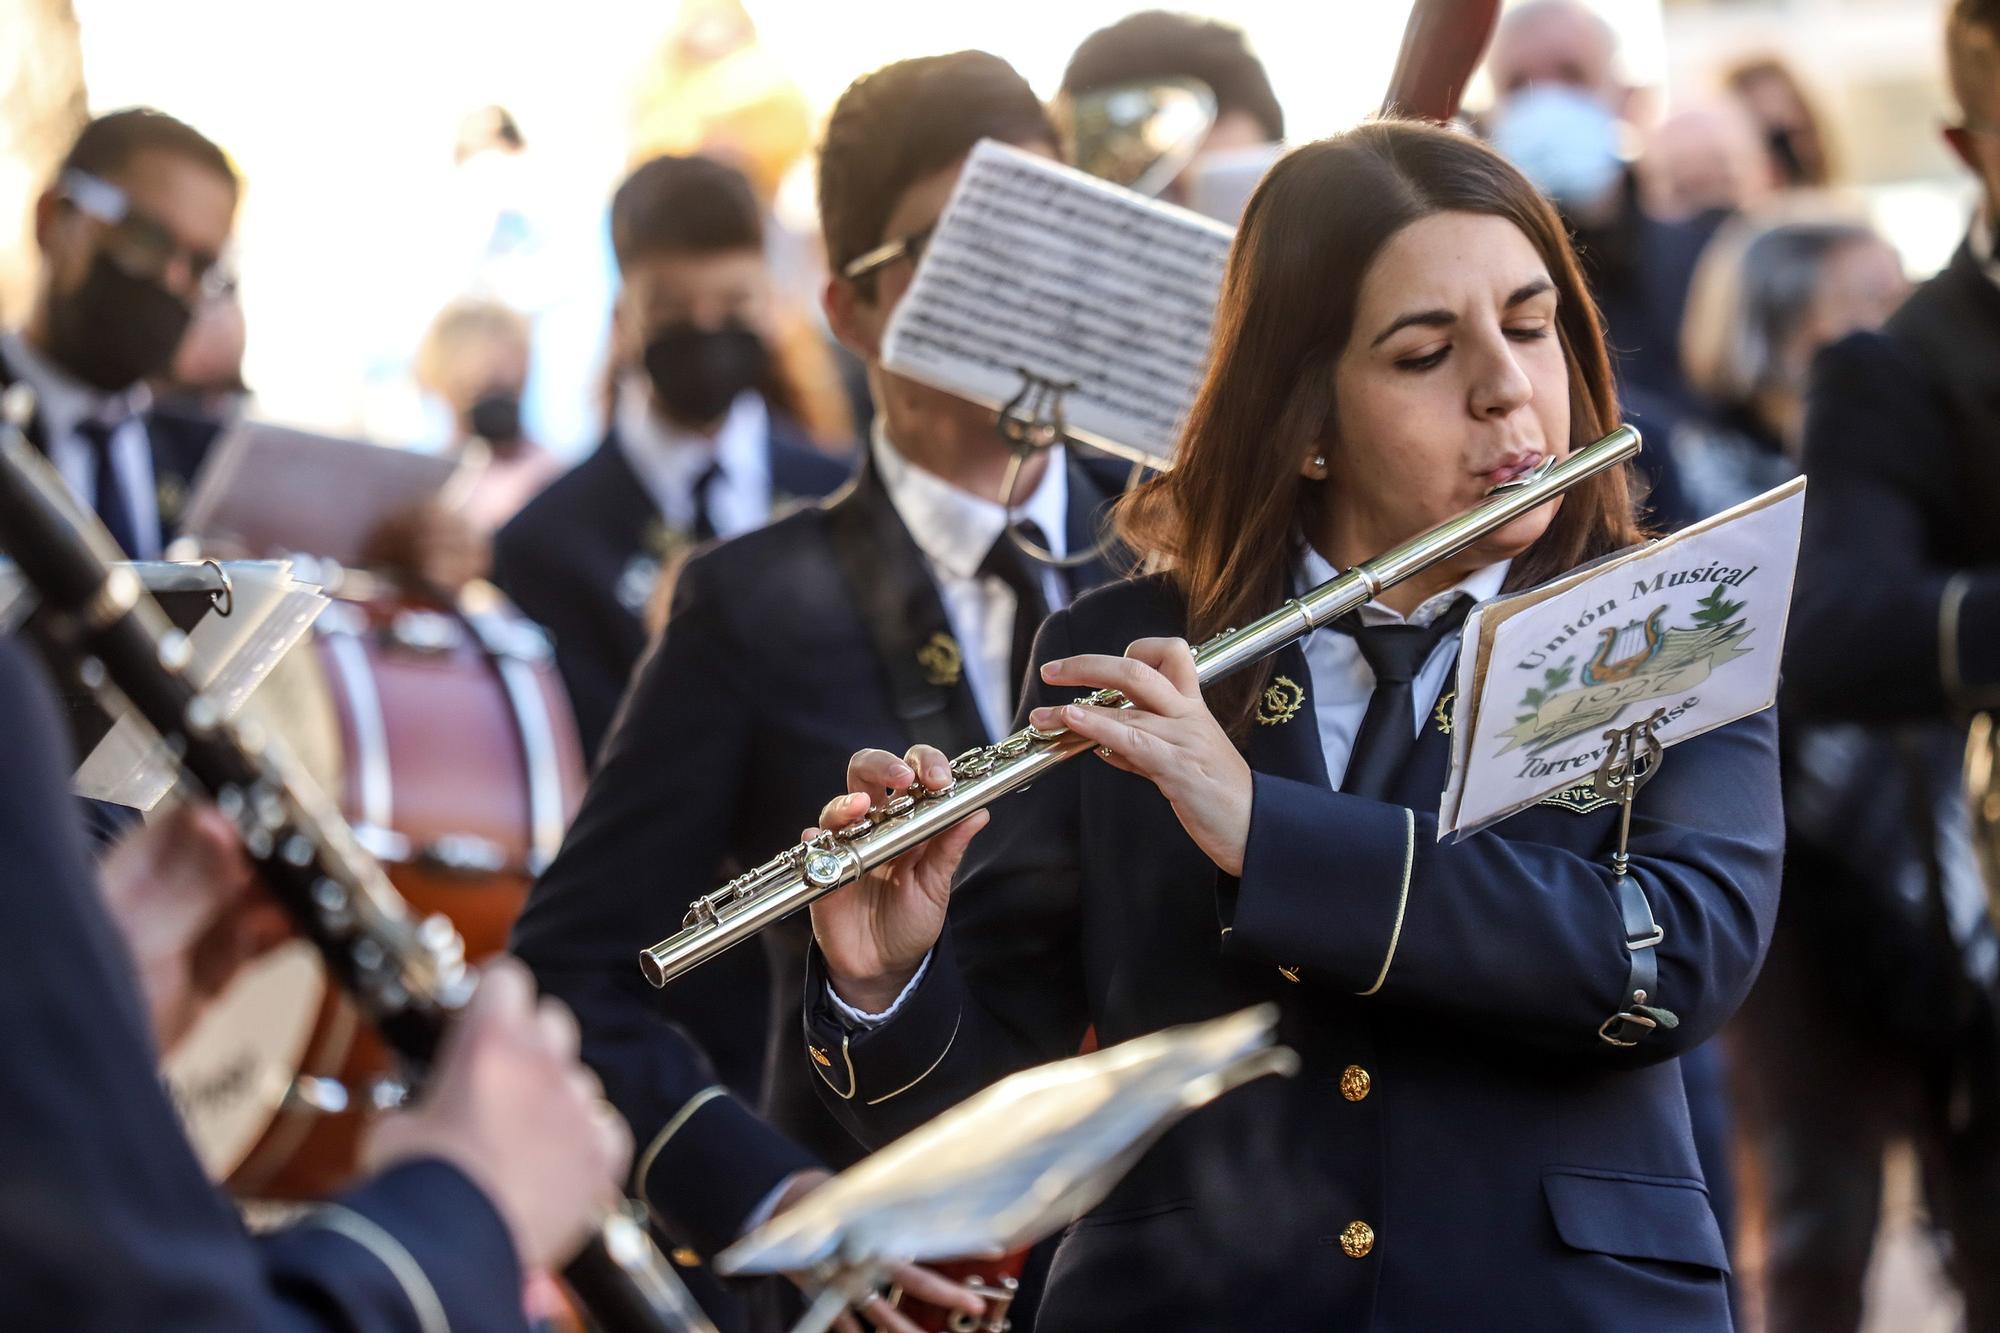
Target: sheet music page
(1038,268)
(1692,625)
(268,490)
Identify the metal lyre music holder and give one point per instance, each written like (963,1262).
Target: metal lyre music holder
(1632,756)
(1034,418)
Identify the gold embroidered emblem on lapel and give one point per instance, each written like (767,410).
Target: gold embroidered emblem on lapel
(169,498)
(664,541)
(1281,702)
(1578,800)
(941,660)
(1442,713)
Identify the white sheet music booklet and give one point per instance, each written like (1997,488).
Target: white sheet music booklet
(1037,271)
(1691,625)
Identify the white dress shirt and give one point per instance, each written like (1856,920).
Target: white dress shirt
(1341,677)
(670,461)
(65,403)
(955,529)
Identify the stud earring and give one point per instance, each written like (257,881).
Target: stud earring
(1319,460)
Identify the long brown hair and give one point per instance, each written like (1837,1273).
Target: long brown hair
(1225,521)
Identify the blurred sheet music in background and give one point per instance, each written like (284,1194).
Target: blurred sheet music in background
(1037,270)
(269,490)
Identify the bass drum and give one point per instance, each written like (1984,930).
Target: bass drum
(449,741)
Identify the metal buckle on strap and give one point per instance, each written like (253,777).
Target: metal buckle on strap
(1639,1020)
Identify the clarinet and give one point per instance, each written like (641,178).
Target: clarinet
(409,977)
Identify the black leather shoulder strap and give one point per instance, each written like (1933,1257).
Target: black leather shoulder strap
(921,659)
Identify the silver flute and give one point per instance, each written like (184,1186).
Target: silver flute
(834,859)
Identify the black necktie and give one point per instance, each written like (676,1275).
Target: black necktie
(1008,563)
(113,501)
(704,525)
(1396,653)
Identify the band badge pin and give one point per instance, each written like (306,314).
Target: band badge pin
(170,498)
(1281,702)
(941,660)
(664,541)
(1442,713)
(635,582)
(1579,799)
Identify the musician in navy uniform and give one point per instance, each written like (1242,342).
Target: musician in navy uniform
(133,234)
(1489,1130)
(108,1222)
(899,611)
(1895,642)
(704,441)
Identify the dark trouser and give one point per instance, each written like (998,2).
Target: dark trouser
(1822,1095)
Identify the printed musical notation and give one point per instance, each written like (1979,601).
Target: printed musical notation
(1038,268)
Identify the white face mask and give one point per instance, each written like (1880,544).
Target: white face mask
(1563,140)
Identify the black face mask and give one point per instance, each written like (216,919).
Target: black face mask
(496,419)
(115,329)
(698,372)
(1785,151)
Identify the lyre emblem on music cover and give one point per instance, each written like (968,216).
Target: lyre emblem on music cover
(941,659)
(1637,658)
(1281,702)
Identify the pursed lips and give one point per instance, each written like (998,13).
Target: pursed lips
(1514,465)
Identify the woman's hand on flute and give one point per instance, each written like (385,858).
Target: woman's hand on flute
(876,932)
(1167,736)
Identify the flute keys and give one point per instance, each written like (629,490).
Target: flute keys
(822,869)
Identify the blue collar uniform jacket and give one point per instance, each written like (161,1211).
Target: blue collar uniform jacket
(1460,1150)
(577,558)
(786,650)
(106,1220)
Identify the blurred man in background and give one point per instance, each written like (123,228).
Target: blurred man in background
(1900,541)
(1561,115)
(132,233)
(702,442)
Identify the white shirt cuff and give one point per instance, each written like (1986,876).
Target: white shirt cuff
(768,1205)
(868,1020)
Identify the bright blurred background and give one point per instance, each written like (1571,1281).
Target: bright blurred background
(357,224)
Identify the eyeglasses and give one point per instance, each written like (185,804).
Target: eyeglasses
(873,262)
(139,243)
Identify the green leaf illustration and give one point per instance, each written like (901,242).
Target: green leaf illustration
(1715,609)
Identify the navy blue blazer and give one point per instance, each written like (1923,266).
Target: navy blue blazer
(564,556)
(1899,443)
(787,649)
(106,1220)
(1460,1149)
